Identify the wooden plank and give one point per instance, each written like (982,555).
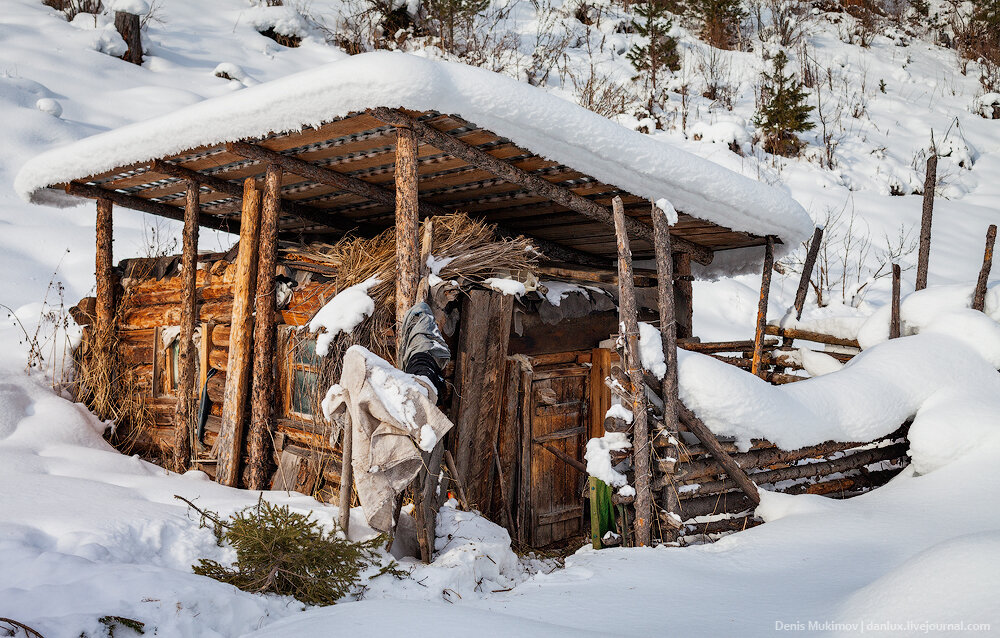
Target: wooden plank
(600,395)
(230,442)
(482,351)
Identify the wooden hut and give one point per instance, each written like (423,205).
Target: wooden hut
(381,141)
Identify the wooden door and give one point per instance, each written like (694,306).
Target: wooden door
(558,417)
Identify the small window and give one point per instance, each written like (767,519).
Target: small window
(167,361)
(303,376)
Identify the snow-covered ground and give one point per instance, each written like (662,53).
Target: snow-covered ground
(86,532)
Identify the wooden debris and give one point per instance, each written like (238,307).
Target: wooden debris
(979,295)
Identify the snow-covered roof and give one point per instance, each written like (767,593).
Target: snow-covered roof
(530,117)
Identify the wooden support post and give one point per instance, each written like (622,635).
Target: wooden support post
(894,316)
(184,415)
(926,217)
(683,295)
(595,516)
(259,442)
(640,427)
(735,472)
(668,337)
(229,445)
(979,295)
(130,28)
(407,229)
(104,313)
(765,288)
(807,269)
(346,480)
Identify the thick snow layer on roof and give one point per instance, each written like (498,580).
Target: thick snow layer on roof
(530,117)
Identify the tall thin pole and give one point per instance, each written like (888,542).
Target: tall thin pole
(187,356)
(894,320)
(104,320)
(807,268)
(926,217)
(765,288)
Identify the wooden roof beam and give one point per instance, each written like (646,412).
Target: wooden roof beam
(146,206)
(533,183)
(304,213)
(387,197)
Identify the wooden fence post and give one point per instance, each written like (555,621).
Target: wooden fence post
(926,217)
(407,229)
(979,295)
(894,316)
(683,295)
(262,394)
(229,445)
(104,319)
(807,268)
(346,480)
(765,289)
(184,413)
(640,427)
(668,338)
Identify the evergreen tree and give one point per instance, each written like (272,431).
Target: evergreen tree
(658,56)
(783,111)
(720,21)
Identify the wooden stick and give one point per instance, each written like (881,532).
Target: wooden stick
(531,182)
(807,268)
(640,431)
(806,335)
(926,218)
(562,456)
(765,288)
(104,312)
(146,206)
(979,296)
(595,516)
(894,316)
(259,457)
(184,416)
(346,480)
(229,444)
(711,443)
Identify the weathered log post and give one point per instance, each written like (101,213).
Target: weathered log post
(262,392)
(894,329)
(683,294)
(807,269)
(229,445)
(407,229)
(668,338)
(346,480)
(926,217)
(130,28)
(765,289)
(104,313)
(979,295)
(184,414)
(640,427)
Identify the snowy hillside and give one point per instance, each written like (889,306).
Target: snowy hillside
(87,533)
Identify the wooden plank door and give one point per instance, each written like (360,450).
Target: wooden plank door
(558,417)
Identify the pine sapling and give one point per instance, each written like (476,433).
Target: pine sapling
(783,110)
(658,57)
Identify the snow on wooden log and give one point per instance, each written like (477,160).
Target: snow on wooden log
(979,295)
(641,450)
(230,442)
(926,219)
(185,413)
(531,182)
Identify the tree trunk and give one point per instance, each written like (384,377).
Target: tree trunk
(807,268)
(128,25)
(640,426)
(923,257)
(407,229)
(104,314)
(262,397)
(185,410)
(683,295)
(229,445)
(894,316)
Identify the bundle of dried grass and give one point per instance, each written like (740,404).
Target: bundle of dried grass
(465,250)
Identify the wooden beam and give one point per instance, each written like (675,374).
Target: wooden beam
(305,213)
(184,415)
(806,335)
(562,456)
(531,182)
(147,206)
(926,218)
(807,268)
(668,339)
(735,472)
(979,294)
(765,289)
(894,320)
(229,445)
(640,427)
(104,312)
(262,382)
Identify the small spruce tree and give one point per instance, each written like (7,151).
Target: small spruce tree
(451,18)
(783,111)
(720,21)
(658,56)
